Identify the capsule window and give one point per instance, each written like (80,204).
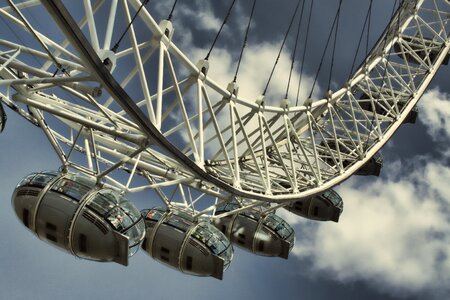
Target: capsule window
(241,238)
(179,222)
(261,246)
(51,237)
(71,188)
(224,228)
(165,258)
(25,217)
(101,205)
(41,180)
(82,243)
(298,205)
(26,180)
(50,226)
(165,250)
(51,232)
(189,263)
(316,211)
(118,219)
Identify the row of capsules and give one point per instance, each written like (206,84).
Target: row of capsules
(71,212)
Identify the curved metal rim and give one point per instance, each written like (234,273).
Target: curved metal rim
(72,31)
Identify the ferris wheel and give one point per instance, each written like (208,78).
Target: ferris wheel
(128,111)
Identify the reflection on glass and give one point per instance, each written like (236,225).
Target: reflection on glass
(180,223)
(26,180)
(214,240)
(154,214)
(333,197)
(101,204)
(119,219)
(378,158)
(227,207)
(121,214)
(71,188)
(41,180)
(279,226)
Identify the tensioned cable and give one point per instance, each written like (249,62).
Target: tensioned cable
(172,10)
(385,68)
(16,35)
(294,54)
(220,30)
(245,41)
(282,46)
(334,46)
(36,36)
(326,48)
(116,46)
(385,38)
(361,38)
(304,51)
(369,22)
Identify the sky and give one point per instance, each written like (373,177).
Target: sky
(392,241)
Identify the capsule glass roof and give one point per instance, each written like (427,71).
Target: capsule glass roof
(39,179)
(215,241)
(121,214)
(333,197)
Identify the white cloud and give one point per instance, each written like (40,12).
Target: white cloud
(394,232)
(435,113)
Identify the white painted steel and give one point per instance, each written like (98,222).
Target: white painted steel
(241,148)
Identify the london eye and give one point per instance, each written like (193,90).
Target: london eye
(127,110)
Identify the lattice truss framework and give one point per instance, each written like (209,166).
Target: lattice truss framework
(146,118)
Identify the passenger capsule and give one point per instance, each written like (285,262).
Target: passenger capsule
(371,168)
(68,211)
(267,235)
(419,49)
(325,207)
(385,103)
(3,117)
(176,239)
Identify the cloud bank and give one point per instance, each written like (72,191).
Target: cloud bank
(395,230)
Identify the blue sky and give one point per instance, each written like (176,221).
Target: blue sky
(392,240)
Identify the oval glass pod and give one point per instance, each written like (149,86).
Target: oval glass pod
(176,239)
(70,212)
(266,235)
(325,207)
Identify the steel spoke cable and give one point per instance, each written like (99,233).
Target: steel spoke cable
(16,35)
(325,50)
(365,66)
(225,20)
(385,67)
(385,39)
(169,18)
(245,41)
(116,46)
(361,38)
(369,22)
(281,48)
(294,54)
(334,46)
(36,36)
(304,50)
